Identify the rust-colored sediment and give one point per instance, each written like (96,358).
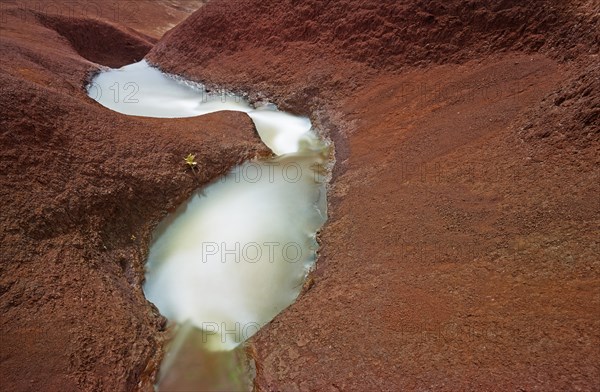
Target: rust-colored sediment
(461,250)
(82,189)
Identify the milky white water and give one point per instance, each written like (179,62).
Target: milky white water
(140,90)
(237,252)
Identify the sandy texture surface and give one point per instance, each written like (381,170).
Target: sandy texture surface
(82,188)
(462,248)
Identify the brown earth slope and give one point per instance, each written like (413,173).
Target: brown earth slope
(462,248)
(81,190)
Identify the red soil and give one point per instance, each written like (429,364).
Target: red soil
(82,188)
(100,42)
(462,247)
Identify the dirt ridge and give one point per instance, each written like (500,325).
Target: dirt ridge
(461,251)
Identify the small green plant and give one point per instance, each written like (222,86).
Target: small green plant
(190,161)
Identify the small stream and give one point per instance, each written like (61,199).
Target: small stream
(237,252)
